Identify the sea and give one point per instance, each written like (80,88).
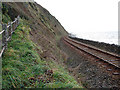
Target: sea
(106,37)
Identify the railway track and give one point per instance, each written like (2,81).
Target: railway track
(102,57)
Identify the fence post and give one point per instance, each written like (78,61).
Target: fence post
(4,35)
(9,31)
(18,20)
(15,23)
(11,28)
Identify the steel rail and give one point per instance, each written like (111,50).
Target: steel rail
(92,54)
(97,49)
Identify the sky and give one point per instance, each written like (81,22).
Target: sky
(78,16)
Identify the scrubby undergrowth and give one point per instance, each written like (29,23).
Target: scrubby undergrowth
(23,67)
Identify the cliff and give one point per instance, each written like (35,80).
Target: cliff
(33,58)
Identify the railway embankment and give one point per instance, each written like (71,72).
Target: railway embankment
(105,46)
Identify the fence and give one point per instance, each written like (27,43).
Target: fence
(7,31)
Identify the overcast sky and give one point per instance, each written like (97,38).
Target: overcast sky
(78,16)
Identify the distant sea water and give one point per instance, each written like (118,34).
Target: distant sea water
(107,37)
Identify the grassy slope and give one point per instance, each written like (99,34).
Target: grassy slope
(22,66)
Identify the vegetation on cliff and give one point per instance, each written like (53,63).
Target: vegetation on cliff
(23,68)
(33,58)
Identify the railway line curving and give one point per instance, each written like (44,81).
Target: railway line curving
(110,61)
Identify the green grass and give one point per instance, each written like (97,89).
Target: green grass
(23,68)
(5,18)
(62,79)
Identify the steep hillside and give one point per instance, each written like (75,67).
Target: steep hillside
(33,58)
(46,30)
